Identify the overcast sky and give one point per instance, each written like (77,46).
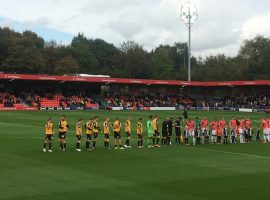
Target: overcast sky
(221,28)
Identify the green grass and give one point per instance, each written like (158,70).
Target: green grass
(238,171)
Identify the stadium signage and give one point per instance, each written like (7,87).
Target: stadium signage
(185,83)
(130,81)
(117,108)
(18,109)
(135,81)
(249,83)
(245,110)
(12,77)
(46,78)
(79,79)
(225,84)
(162,108)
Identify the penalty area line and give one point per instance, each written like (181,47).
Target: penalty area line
(233,153)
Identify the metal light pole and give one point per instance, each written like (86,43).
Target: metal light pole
(189,15)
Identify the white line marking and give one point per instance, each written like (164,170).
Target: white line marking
(234,153)
(20,124)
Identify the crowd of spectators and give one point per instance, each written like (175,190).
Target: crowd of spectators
(31,99)
(35,99)
(9,100)
(75,101)
(80,99)
(145,100)
(245,101)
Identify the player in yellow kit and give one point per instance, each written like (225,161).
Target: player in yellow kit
(156,131)
(79,134)
(48,135)
(63,128)
(117,136)
(128,132)
(140,133)
(88,127)
(95,129)
(106,131)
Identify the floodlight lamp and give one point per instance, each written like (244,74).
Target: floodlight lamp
(189,13)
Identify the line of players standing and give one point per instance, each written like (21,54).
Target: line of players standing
(199,131)
(215,132)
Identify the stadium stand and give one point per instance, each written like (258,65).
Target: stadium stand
(145,100)
(49,100)
(42,91)
(251,101)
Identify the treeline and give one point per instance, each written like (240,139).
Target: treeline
(28,53)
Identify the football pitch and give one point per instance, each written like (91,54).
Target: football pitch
(239,171)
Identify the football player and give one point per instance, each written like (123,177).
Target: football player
(48,135)
(150,131)
(79,134)
(88,127)
(63,128)
(156,131)
(95,129)
(128,132)
(106,131)
(140,133)
(117,136)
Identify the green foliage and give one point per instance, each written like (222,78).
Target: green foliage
(132,61)
(28,53)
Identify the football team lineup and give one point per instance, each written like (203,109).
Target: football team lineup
(199,131)
(162,172)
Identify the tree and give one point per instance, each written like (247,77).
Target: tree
(24,54)
(66,65)
(83,54)
(133,62)
(162,63)
(255,52)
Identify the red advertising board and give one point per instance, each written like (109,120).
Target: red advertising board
(130,81)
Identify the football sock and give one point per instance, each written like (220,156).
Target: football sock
(50,146)
(138,142)
(168,141)
(153,141)
(141,142)
(105,144)
(61,146)
(45,144)
(77,145)
(65,145)
(158,140)
(94,144)
(87,144)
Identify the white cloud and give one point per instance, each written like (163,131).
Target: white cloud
(255,26)
(221,27)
